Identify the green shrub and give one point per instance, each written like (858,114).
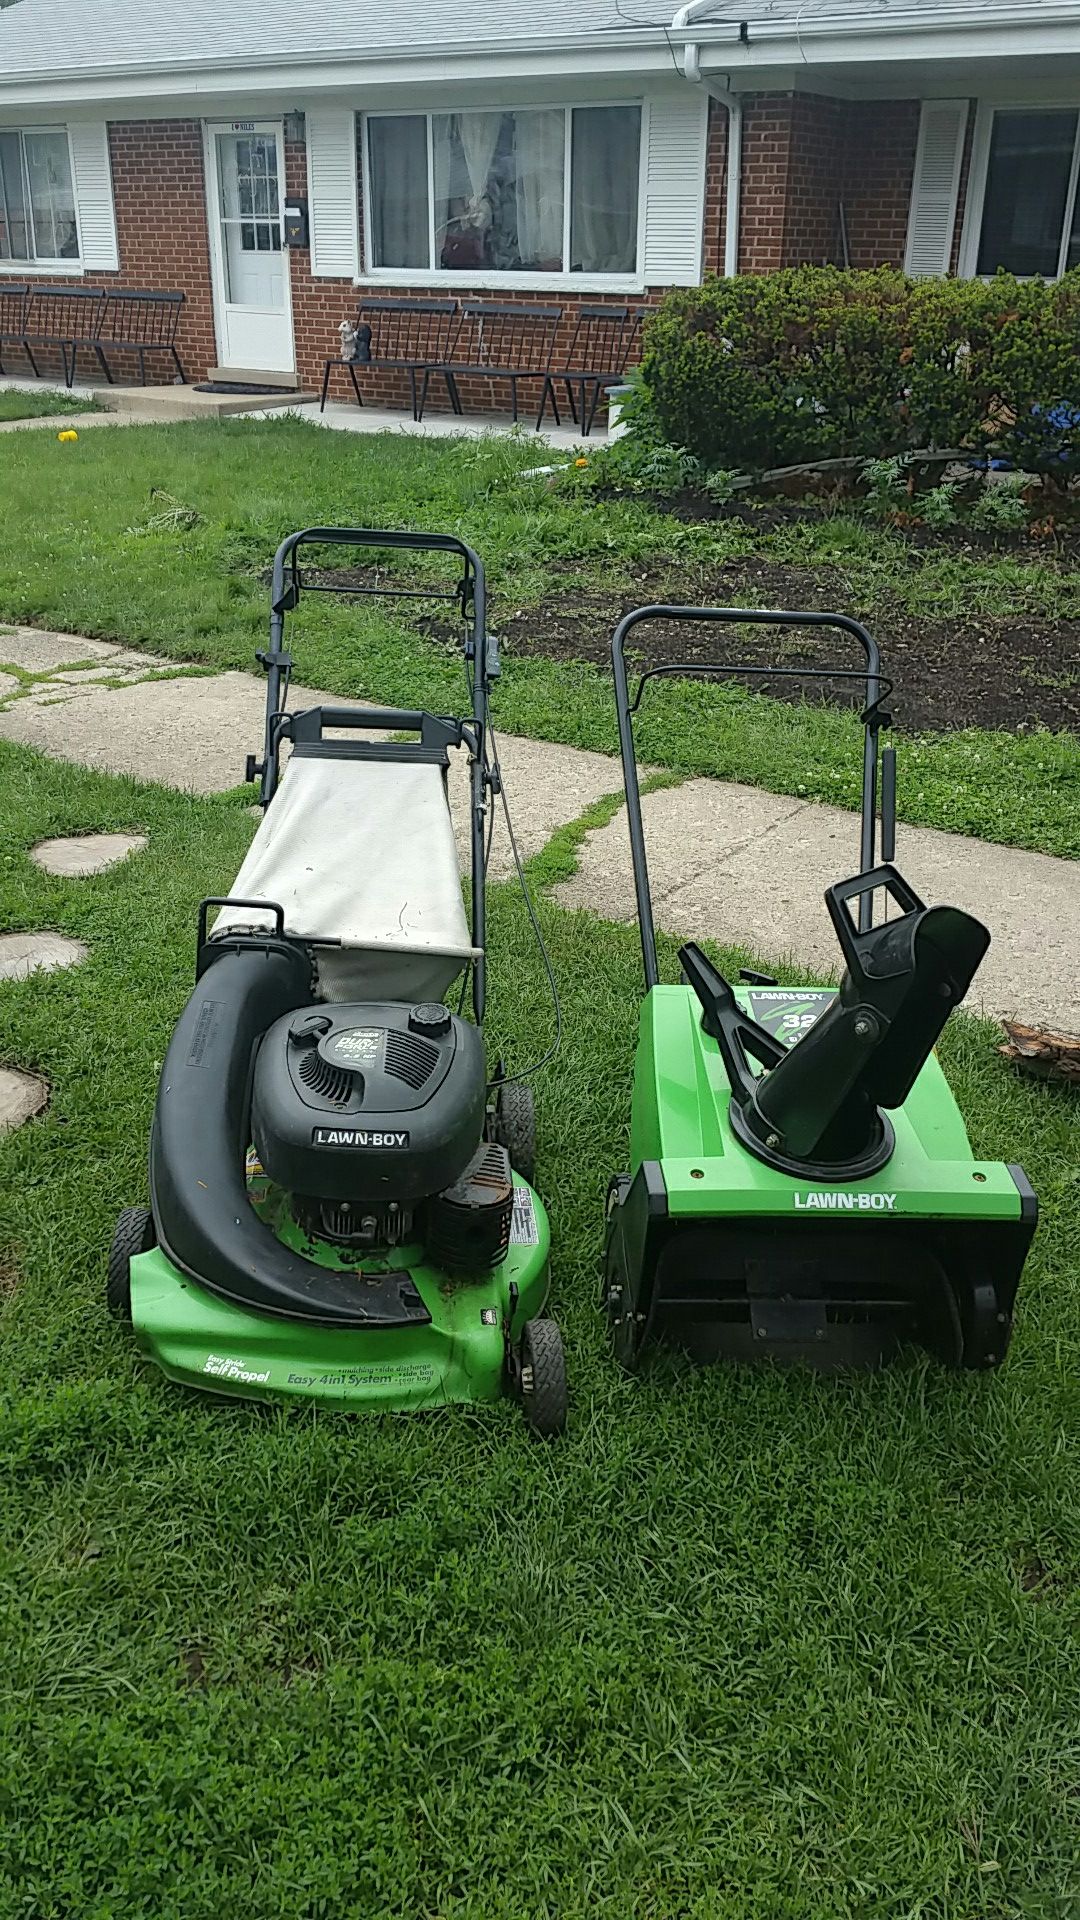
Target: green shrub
(811,363)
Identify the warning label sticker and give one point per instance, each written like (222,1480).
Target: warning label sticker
(524,1231)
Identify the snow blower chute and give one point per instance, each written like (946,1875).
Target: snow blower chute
(801,1183)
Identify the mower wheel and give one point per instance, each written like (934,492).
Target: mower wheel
(134,1235)
(542,1378)
(515,1127)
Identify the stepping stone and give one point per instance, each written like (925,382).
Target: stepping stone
(37,652)
(8,684)
(748,868)
(86,852)
(22,954)
(22,1096)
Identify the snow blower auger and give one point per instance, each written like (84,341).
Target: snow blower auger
(801,1184)
(341,1208)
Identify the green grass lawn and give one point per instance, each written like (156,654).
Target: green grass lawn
(80,555)
(747,1646)
(24,404)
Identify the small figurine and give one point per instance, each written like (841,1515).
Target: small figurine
(348,337)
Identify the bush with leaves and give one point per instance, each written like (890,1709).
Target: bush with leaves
(762,371)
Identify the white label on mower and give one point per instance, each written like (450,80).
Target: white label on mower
(847,1202)
(524,1231)
(225,1369)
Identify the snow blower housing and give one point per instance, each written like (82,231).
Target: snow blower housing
(801,1182)
(339,1210)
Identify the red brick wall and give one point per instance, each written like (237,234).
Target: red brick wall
(802,154)
(878,171)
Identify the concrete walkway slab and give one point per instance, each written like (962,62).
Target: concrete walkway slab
(749,868)
(546,787)
(192,733)
(728,862)
(36,651)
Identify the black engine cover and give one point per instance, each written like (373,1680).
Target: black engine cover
(371,1102)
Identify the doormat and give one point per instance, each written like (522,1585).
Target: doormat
(243,386)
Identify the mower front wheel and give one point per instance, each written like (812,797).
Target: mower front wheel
(134,1235)
(515,1127)
(542,1378)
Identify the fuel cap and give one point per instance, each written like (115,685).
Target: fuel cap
(309,1027)
(431,1019)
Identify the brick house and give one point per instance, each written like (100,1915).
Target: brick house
(579,150)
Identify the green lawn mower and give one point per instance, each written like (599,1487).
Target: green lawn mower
(801,1183)
(341,1202)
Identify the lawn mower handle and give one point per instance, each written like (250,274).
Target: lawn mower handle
(873,718)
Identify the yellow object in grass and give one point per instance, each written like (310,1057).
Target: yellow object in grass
(67,433)
(581,463)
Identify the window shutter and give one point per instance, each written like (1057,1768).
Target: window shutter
(332,192)
(92,181)
(675,188)
(935,188)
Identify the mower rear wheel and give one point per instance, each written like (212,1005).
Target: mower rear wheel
(134,1235)
(542,1378)
(515,1127)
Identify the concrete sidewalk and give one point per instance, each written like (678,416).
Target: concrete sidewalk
(727,862)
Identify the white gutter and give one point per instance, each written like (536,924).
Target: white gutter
(691,66)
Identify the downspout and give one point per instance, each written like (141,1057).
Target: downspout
(691,66)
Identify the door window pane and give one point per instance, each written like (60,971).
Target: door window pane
(1027,186)
(604,189)
(398,177)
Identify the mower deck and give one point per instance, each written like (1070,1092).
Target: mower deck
(454,1349)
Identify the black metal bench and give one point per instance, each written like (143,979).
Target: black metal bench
(13,300)
(139,321)
(602,343)
(61,318)
(397,336)
(66,318)
(511,343)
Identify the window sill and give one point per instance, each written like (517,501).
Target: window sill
(26,269)
(406,278)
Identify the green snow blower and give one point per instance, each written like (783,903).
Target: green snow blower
(801,1183)
(341,1202)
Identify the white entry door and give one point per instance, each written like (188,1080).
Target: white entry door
(246,175)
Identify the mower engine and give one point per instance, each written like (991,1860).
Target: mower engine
(371,1118)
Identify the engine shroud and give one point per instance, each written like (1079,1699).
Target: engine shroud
(377,1101)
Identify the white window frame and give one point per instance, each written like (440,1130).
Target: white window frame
(979,173)
(491,277)
(23,269)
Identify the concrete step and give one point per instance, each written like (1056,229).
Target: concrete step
(257,376)
(184,403)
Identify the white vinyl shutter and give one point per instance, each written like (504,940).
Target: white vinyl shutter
(332,193)
(92,180)
(938,158)
(675,188)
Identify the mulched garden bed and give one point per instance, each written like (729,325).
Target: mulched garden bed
(1014,673)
